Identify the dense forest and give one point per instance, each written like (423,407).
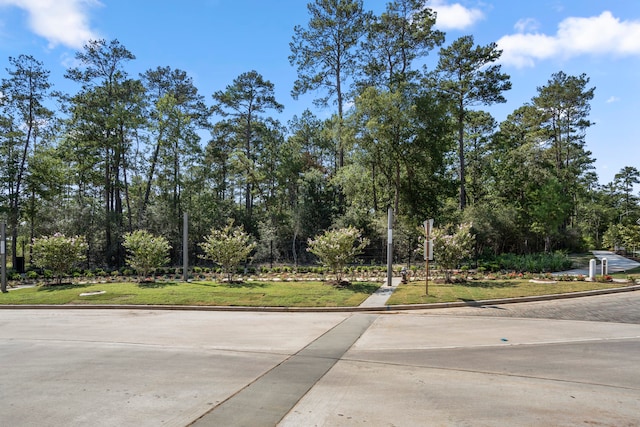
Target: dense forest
(129,152)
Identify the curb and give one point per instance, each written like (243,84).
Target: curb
(403,307)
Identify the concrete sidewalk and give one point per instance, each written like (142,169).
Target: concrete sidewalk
(379,298)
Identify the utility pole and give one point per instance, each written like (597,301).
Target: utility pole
(390,246)
(3,256)
(185,247)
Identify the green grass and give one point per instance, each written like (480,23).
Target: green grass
(253,294)
(414,292)
(289,294)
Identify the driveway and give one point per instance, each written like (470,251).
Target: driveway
(615,264)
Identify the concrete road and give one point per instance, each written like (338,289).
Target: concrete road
(456,367)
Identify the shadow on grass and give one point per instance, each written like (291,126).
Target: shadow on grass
(487,284)
(156,285)
(52,287)
(240,285)
(360,287)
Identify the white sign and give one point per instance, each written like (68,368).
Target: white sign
(428,249)
(428,226)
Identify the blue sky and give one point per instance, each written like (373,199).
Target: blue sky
(216,40)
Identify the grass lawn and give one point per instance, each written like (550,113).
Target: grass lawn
(290,294)
(414,292)
(634,273)
(253,294)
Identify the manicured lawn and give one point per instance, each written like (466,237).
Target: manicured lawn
(253,294)
(414,292)
(286,294)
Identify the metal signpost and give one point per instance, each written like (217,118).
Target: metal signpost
(428,251)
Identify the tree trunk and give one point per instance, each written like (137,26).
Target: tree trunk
(463,192)
(152,170)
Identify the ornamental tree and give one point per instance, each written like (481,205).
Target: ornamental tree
(58,253)
(228,247)
(450,250)
(146,252)
(337,248)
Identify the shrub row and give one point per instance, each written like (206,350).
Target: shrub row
(531,263)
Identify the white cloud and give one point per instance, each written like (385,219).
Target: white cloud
(454,16)
(612,99)
(59,21)
(528,24)
(597,35)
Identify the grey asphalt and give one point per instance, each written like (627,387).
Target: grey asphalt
(452,367)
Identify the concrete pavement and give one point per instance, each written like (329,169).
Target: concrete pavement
(379,298)
(178,368)
(562,363)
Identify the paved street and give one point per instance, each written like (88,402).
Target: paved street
(623,308)
(561,363)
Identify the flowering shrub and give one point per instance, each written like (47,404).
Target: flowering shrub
(450,250)
(228,247)
(145,252)
(59,253)
(337,248)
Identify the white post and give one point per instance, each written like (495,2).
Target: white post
(390,247)
(428,252)
(605,267)
(592,269)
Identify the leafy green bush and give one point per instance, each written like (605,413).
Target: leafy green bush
(337,248)
(59,253)
(531,263)
(228,247)
(451,249)
(146,252)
